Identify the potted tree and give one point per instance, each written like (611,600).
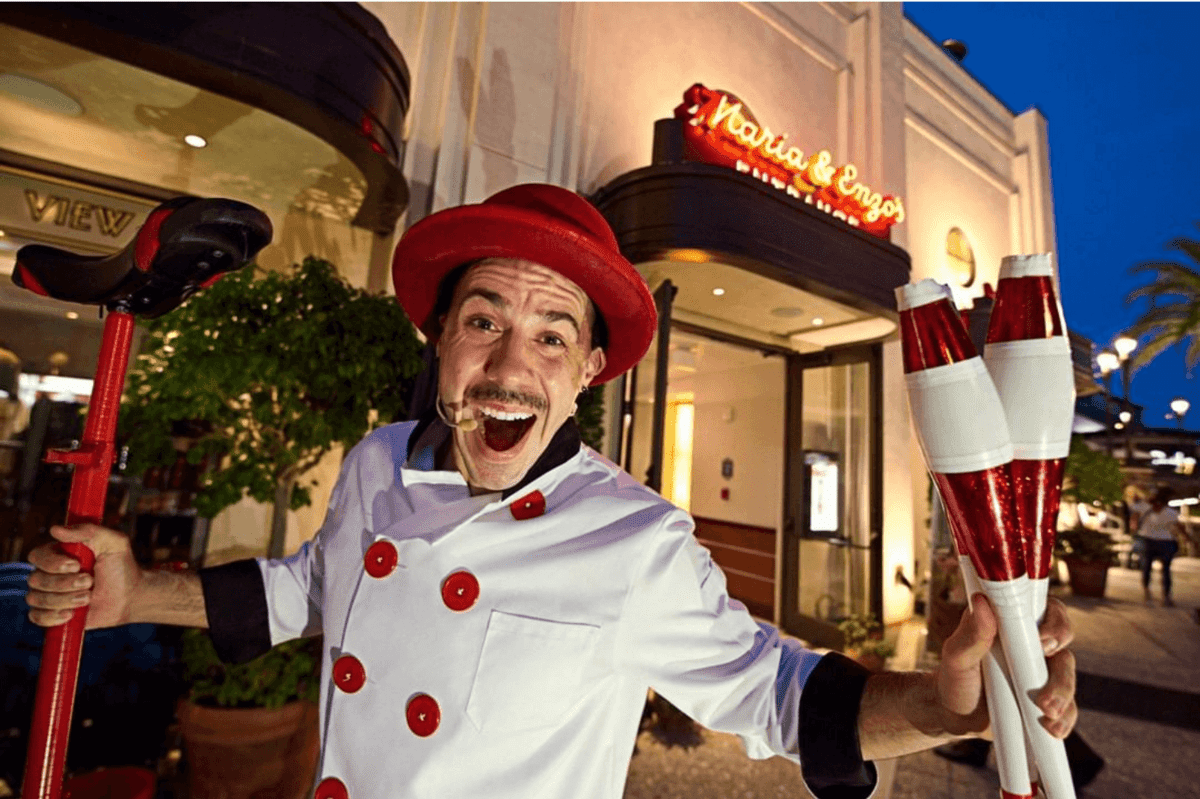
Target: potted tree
(250,729)
(1092,477)
(277,368)
(1088,555)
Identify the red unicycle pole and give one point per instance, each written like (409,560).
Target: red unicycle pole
(184,245)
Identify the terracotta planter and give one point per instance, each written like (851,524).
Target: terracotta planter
(1087,578)
(251,753)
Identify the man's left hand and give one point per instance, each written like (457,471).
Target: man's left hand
(960,680)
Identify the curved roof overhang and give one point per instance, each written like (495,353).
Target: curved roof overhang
(676,211)
(329,68)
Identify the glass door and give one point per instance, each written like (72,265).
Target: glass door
(833,525)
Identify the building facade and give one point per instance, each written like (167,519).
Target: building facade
(831,153)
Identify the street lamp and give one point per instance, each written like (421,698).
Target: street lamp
(1180,407)
(1108,362)
(1125,345)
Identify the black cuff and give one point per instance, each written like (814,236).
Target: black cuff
(830,755)
(235,601)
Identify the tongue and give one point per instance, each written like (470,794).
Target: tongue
(500,435)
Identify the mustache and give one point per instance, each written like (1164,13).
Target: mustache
(496,393)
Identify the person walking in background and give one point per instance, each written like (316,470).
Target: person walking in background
(1157,525)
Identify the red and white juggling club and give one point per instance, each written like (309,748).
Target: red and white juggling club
(963,434)
(1029,358)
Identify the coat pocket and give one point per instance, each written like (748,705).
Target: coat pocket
(529,672)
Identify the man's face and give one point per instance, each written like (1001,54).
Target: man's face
(515,351)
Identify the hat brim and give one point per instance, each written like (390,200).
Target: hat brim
(448,239)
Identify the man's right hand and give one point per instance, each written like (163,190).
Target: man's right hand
(57,587)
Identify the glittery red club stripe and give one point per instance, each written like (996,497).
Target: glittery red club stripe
(1037,493)
(1026,308)
(933,335)
(979,508)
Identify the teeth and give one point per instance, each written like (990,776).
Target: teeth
(515,416)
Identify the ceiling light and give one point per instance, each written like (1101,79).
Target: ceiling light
(2,234)
(72,315)
(717,292)
(192,140)
(43,95)
(818,321)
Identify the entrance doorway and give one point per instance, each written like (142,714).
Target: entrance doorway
(777,455)
(832,549)
(722,455)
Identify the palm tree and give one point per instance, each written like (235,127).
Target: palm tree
(1174,313)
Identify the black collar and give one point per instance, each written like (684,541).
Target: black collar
(563,446)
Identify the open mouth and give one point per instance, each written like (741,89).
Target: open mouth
(503,431)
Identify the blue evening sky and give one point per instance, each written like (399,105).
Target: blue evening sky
(1117,84)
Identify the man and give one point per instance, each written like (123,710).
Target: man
(495,598)
(1158,526)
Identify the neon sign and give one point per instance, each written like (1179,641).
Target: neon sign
(721,130)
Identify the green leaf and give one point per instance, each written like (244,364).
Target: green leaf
(279,366)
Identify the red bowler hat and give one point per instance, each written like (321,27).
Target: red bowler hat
(545,224)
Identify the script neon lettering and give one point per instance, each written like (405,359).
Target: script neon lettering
(722,130)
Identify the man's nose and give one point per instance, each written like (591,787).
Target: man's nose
(509,358)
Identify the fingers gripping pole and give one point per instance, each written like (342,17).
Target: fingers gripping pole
(59,674)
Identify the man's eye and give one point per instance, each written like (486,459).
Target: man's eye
(553,340)
(481,323)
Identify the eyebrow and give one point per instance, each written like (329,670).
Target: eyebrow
(491,296)
(563,316)
(500,302)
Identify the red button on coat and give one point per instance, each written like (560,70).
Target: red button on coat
(348,674)
(381,559)
(529,506)
(423,715)
(460,590)
(331,788)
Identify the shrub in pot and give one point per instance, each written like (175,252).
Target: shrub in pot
(250,729)
(1088,554)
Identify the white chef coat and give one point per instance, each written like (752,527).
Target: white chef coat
(540,683)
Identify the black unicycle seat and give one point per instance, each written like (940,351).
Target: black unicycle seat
(185,244)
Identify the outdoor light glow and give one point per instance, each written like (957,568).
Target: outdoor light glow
(1107,361)
(1124,345)
(1125,416)
(192,140)
(718,292)
(1119,425)
(1180,406)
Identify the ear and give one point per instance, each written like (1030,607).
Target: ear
(594,366)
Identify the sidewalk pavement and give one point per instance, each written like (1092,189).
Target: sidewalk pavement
(1139,693)
(1139,696)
